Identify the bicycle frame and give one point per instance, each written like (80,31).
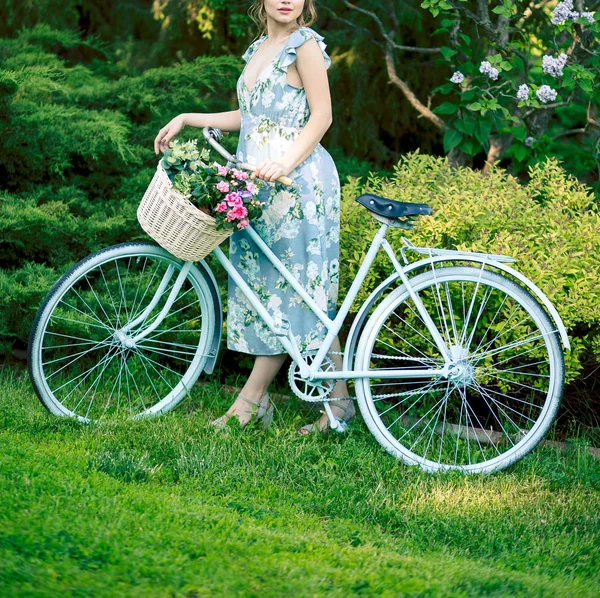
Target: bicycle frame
(283,330)
(286,338)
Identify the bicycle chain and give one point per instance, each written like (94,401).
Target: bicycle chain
(328,399)
(387,357)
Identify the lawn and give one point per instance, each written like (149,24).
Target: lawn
(172,507)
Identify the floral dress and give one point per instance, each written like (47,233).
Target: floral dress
(300,223)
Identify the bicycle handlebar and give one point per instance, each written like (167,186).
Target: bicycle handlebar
(214,135)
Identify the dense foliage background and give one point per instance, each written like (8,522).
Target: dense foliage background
(86,84)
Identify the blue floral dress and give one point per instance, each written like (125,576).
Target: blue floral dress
(300,223)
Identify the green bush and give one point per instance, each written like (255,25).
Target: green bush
(551,226)
(77,154)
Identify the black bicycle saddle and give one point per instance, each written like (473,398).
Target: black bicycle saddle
(392,208)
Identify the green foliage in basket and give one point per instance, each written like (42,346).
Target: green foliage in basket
(224,193)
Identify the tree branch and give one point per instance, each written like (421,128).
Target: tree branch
(408,93)
(483,10)
(569,132)
(546,107)
(385,34)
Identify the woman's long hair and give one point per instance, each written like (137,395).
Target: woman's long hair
(259,15)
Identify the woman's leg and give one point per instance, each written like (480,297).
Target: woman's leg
(345,408)
(263,373)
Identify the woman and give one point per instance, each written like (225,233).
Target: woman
(285,109)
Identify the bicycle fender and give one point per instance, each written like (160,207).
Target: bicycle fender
(483,259)
(361,316)
(215,344)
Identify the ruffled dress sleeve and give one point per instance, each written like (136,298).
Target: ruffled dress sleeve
(296,40)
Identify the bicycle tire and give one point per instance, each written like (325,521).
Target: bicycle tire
(74,315)
(520,399)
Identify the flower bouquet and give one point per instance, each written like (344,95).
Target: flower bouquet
(225,194)
(191,205)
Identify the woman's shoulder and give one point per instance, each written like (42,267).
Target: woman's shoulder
(301,35)
(306,33)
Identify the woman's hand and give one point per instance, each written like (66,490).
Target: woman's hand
(167,133)
(269,170)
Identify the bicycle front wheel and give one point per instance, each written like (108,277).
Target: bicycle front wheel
(503,386)
(82,360)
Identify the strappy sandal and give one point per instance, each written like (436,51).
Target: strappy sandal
(342,421)
(260,411)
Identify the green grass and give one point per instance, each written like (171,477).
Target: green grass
(171,507)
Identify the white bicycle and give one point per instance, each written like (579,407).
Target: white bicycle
(456,357)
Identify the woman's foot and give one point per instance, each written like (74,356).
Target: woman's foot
(342,410)
(246,410)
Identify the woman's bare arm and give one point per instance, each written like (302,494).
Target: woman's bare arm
(311,68)
(226,121)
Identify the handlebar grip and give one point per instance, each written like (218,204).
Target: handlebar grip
(214,135)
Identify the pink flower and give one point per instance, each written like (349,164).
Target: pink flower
(240,175)
(243,224)
(233,199)
(222,171)
(222,207)
(222,186)
(238,212)
(251,187)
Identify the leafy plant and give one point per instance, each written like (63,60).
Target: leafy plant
(223,193)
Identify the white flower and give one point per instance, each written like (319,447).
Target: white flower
(267,97)
(523,92)
(282,203)
(287,230)
(334,267)
(546,94)
(320,297)
(274,303)
(457,77)
(310,212)
(487,69)
(314,247)
(285,101)
(563,12)
(554,66)
(312,270)
(333,235)
(589,16)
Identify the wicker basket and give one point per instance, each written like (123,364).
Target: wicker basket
(175,223)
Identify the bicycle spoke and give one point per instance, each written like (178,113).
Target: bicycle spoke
(87,370)
(496,384)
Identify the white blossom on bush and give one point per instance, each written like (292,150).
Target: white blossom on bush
(546,94)
(563,12)
(523,92)
(458,77)
(589,16)
(529,141)
(554,66)
(487,69)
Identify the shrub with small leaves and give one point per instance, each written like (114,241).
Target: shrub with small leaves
(551,225)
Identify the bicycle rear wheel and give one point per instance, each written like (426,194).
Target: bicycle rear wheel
(82,361)
(503,387)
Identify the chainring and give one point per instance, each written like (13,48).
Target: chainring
(314,392)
